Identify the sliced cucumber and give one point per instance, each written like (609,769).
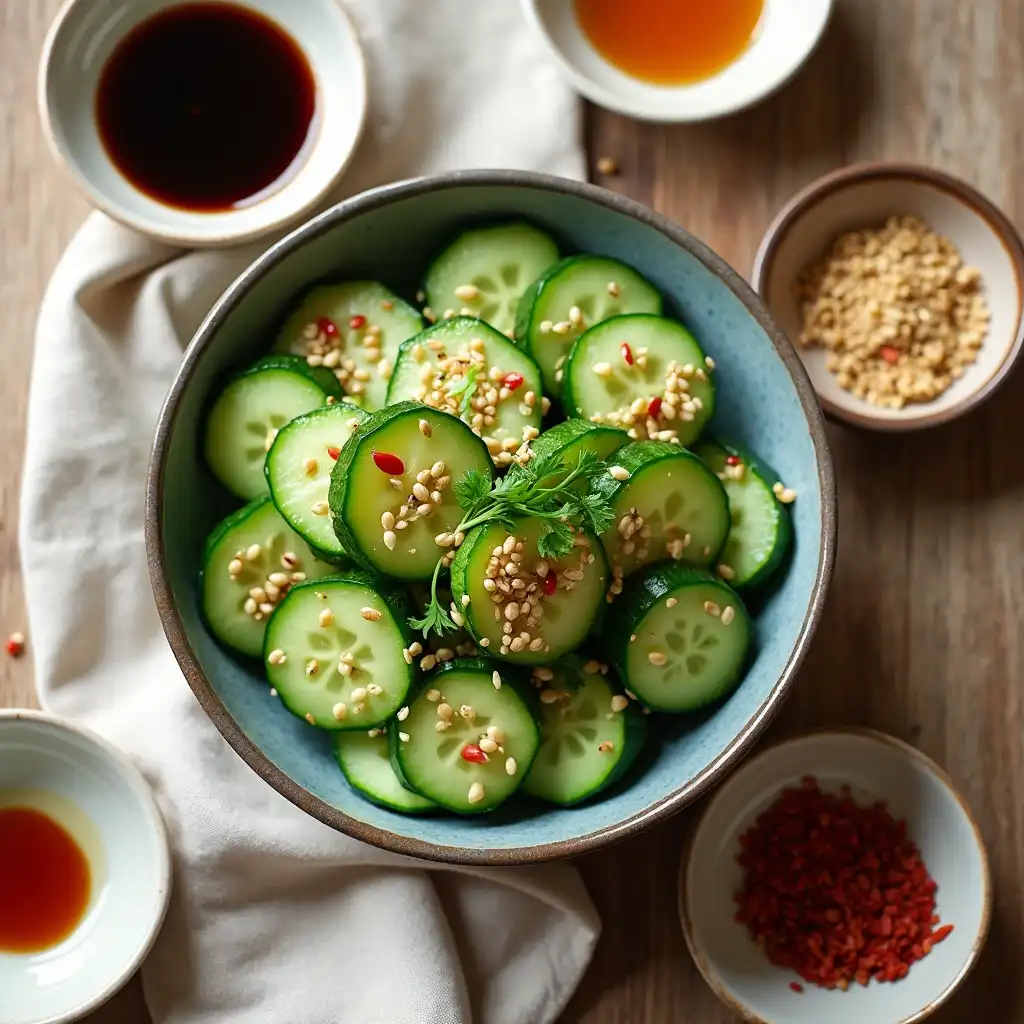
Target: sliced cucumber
(249,562)
(678,637)
(465,367)
(400,467)
(568,439)
(335,651)
(760,530)
(646,374)
(492,719)
(544,625)
(590,734)
(669,506)
(572,296)
(248,413)
(365,761)
(485,271)
(298,469)
(354,329)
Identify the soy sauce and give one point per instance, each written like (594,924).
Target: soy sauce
(45,881)
(207,106)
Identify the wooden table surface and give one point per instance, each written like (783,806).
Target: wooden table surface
(921,637)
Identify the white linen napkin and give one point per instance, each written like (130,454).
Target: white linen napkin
(275,918)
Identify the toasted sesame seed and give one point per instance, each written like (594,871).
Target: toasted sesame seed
(277,657)
(253,551)
(726,572)
(416,648)
(476,793)
(310,466)
(465,599)
(310,718)
(618,472)
(619,703)
(404,737)
(387,520)
(606,746)
(433,695)
(672,602)
(390,539)
(728,614)
(371,614)
(614,289)
(511,767)
(712,609)
(340,712)
(607,165)
(403,714)
(548,696)
(467,711)
(326,617)
(312,666)
(496,679)
(575,316)
(487,745)
(485,641)
(320,508)
(657,658)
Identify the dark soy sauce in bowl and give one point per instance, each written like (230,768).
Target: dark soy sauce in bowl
(207,106)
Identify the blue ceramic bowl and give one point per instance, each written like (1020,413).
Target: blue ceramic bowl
(764,399)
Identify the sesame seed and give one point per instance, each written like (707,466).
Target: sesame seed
(416,648)
(312,666)
(485,641)
(445,711)
(326,617)
(344,669)
(374,690)
(548,696)
(487,745)
(390,539)
(427,662)
(253,552)
(671,602)
(712,609)
(496,679)
(606,747)
(340,712)
(320,508)
(728,614)
(441,726)
(404,737)
(619,703)
(310,718)
(467,711)
(465,600)
(614,289)
(467,292)
(433,695)
(511,767)
(726,572)
(618,473)
(371,614)
(403,714)
(310,466)
(562,327)
(277,657)
(657,658)
(387,521)
(575,316)
(476,793)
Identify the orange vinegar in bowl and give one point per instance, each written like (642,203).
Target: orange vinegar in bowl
(669,42)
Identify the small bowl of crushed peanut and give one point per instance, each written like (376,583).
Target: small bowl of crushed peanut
(902,289)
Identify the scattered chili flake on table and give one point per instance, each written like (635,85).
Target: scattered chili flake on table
(836,891)
(16,645)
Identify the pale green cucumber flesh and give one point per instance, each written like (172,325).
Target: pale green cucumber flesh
(499,262)
(365,762)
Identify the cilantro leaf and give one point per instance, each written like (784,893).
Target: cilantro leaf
(595,512)
(556,540)
(435,619)
(471,489)
(464,389)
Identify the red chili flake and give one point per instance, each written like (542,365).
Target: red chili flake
(550,583)
(16,647)
(513,381)
(733,460)
(796,986)
(835,891)
(388,463)
(327,325)
(334,453)
(471,752)
(654,407)
(357,322)
(627,353)
(890,354)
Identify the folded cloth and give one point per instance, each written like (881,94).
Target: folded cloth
(275,918)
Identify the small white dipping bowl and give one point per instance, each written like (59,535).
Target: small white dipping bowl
(787,34)
(866,195)
(88,787)
(81,40)
(875,767)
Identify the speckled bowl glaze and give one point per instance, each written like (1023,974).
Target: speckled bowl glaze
(765,399)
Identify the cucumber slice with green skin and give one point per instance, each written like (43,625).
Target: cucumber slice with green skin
(365,761)
(485,271)
(298,470)
(334,651)
(369,499)
(554,623)
(572,296)
(247,414)
(692,635)
(441,365)
(760,530)
(369,324)
(670,506)
(568,439)
(254,549)
(590,734)
(666,393)
(497,722)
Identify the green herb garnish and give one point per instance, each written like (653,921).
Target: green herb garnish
(561,506)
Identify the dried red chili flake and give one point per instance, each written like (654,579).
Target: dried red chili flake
(550,583)
(654,407)
(357,322)
(334,453)
(16,645)
(796,986)
(733,460)
(627,353)
(835,891)
(472,753)
(388,463)
(513,380)
(327,325)
(890,354)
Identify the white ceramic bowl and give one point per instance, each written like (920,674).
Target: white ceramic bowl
(76,50)
(786,36)
(866,195)
(876,767)
(90,789)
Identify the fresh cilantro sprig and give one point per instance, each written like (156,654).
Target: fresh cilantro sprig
(545,488)
(465,389)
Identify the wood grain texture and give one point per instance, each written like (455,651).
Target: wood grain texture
(921,635)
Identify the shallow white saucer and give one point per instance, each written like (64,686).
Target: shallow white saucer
(786,36)
(101,799)
(77,48)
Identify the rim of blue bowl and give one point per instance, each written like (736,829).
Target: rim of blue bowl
(664,807)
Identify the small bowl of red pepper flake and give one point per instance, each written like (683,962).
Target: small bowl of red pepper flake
(836,876)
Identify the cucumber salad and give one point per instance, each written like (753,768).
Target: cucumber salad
(487,538)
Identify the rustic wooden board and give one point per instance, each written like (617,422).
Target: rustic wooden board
(921,636)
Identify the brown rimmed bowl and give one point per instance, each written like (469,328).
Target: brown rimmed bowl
(866,195)
(875,767)
(765,400)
